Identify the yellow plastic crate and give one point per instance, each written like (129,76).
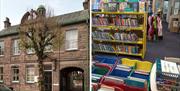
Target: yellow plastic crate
(128,62)
(143,66)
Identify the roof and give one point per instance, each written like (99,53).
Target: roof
(9,31)
(66,19)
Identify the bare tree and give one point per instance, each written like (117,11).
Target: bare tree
(41,32)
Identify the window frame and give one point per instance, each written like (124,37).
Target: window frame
(16,50)
(1,74)
(31,67)
(68,46)
(13,68)
(2,48)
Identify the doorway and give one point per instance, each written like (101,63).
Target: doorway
(72,79)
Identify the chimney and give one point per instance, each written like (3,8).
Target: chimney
(7,23)
(86,4)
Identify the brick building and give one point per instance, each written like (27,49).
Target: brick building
(19,69)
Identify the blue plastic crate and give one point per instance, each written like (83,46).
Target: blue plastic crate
(109,61)
(99,58)
(105,59)
(140,76)
(120,73)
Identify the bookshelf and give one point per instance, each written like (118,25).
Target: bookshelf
(119,32)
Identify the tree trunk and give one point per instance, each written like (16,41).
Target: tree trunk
(41,75)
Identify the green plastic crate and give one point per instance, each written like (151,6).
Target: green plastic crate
(101,70)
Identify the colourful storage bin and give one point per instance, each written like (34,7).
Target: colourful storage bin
(142,76)
(114,81)
(128,62)
(131,88)
(105,59)
(120,73)
(109,61)
(143,66)
(109,88)
(101,69)
(136,82)
(96,78)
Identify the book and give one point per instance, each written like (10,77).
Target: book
(115,20)
(101,35)
(127,49)
(167,75)
(123,69)
(142,72)
(141,6)
(136,82)
(106,88)
(123,66)
(103,47)
(118,80)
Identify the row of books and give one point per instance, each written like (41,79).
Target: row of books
(168,75)
(120,48)
(101,35)
(128,49)
(103,47)
(123,67)
(115,21)
(123,36)
(119,6)
(167,70)
(119,36)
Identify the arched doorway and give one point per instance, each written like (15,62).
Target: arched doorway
(72,79)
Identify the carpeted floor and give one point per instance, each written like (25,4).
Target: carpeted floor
(168,47)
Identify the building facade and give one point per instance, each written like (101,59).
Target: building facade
(70,72)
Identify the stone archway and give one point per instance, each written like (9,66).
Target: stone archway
(72,79)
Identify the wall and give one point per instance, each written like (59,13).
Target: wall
(77,58)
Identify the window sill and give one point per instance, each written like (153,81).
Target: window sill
(30,82)
(72,49)
(1,55)
(1,81)
(16,55)
(15,81)
(30,53)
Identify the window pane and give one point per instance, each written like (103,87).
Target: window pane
(1,73)
(30,73)
(71,39)
(16,49)
(15,73)
(1,48)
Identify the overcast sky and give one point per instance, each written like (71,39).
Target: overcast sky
(15,9)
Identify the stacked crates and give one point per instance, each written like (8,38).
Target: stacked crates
(125,74)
